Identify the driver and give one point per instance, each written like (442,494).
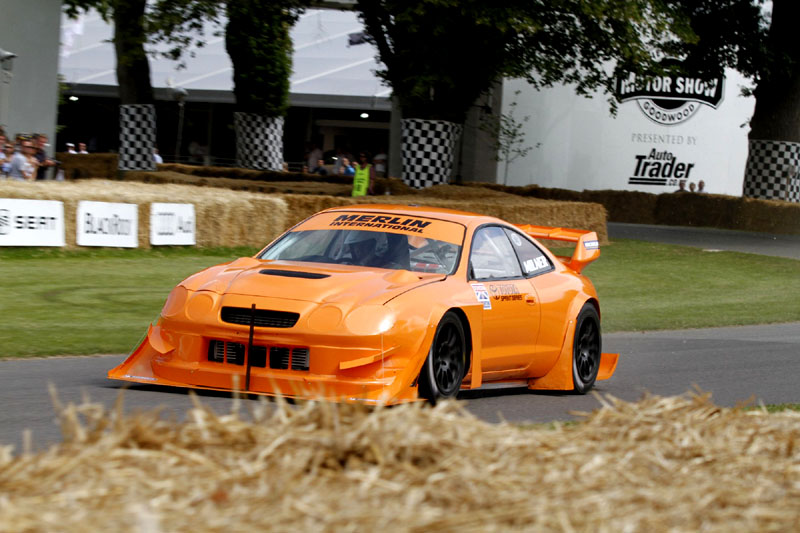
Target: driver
(362,246)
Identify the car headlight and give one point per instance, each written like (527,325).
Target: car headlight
(370,320)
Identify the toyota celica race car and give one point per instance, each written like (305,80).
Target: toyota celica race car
(384,304)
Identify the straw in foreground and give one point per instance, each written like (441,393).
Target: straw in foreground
(661,464)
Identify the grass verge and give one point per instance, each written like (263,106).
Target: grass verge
(650,286)
(101,300)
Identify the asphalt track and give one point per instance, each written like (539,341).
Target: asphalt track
(757,364)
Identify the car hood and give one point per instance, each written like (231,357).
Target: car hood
(309,282)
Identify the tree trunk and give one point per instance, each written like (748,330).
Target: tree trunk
(259,141)
(137,116)
(428,150)
(133,67)
(773,163)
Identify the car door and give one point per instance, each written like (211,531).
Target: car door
(551,290)
(510,313)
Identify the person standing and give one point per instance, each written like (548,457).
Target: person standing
(379,162)
(364,176)
(24,164)
(313,155)
(346,169)
(43,162)
(8,153)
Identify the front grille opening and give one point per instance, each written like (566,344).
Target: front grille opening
(264,318)
(279,357)
(284,358)
(300,359)
(230,352)
(258,356)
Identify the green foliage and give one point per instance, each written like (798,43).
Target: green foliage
(260,47)
(440,55)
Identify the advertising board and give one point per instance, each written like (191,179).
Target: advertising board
(31,222)
(107,224)
(172,224)
(665,130)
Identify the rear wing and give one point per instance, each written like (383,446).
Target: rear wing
(587,247)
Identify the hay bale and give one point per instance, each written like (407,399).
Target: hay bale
(517,210)
(660,464)
(82,166)
(691,209)
(771,216)
(625,206)
(252,175)
(224,217)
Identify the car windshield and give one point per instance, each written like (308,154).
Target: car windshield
(379,249)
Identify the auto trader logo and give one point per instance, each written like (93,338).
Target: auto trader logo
(671,100)
(5,221)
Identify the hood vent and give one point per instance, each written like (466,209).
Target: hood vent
(293,274)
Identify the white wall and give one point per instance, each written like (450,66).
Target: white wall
(582,146)
(30,29)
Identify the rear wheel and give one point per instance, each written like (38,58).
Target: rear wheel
(443,371)
(586,349)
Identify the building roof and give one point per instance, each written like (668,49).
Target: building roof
(328,72)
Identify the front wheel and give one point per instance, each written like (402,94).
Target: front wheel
(443,370)
(586,349)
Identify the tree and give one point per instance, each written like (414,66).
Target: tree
(258,42)
(441,55)
(508,136)
(175,22)
(764,47)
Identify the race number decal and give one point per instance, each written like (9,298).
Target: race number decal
(482,295)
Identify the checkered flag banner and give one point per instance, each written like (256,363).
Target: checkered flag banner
(259,141)
(137,136)
(428,150)
(773,171)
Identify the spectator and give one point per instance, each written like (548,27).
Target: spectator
(71,148)
(156,156)
(24,164)
(701,186)
(3,141)
(346,169)
(321,170)
(379,161)
(692,187)
(43,162)
(341,155)
(681,186)
(8,153)
(82,148)
(313,155)
(364,176)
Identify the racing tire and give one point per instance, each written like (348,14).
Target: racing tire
(445,366)
(586,349)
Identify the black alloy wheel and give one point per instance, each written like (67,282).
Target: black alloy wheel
(445,367)
(586,349)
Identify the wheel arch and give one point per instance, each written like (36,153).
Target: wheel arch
(462,316)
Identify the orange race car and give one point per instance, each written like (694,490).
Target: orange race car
(384,304)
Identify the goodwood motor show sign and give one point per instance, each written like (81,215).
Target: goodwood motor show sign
(670,100)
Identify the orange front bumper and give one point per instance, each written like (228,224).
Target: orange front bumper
(157,361)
